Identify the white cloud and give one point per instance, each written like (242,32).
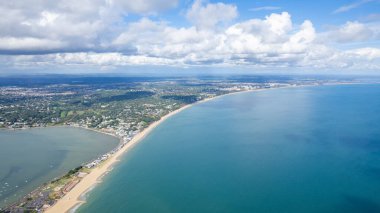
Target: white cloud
(87,59)
(209,15)
(90,33)
(368,53)
(28,44)
(144,6)
(79,25)
(350,32)
(306,34)
(273,29)
(273,41)
(47,18)
(72,24)
(265,8)
(106,59)
(348,7)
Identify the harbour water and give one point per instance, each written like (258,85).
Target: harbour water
(31,157)
(306,149)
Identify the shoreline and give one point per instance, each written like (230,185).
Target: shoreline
(25,193)
(74,198)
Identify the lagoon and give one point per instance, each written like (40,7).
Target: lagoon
(31,157)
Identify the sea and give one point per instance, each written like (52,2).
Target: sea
(302,149)
(31,157)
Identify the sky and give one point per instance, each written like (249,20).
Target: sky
(285,36)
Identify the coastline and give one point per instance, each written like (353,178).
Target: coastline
(109,162)
(24,191)
(74,198)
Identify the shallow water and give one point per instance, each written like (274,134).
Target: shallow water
(31,157)
(310,149)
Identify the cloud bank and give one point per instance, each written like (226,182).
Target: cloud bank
(95,33)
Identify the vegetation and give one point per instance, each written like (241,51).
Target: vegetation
(188,99)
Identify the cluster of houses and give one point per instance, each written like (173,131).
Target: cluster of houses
(125,138)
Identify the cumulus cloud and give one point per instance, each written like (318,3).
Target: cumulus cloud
(72,25)
(62,23)
(254,41)
(206,16)
(369,53)
(350,32)
(90,33)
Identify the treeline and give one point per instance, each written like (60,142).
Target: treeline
(188,99)
(127,96)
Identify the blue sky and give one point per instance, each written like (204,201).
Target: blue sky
(321,12)
(260,36)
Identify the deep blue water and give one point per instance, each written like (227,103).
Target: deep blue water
(310,149)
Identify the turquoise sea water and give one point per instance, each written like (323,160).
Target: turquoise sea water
(29,158)
(311,149)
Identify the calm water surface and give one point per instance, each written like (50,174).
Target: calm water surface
(31,157)
(311,149)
